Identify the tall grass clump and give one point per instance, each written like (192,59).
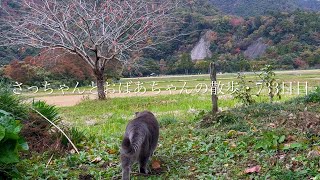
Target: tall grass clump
(49,111)
(11,103)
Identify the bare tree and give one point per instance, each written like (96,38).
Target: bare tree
(99,31)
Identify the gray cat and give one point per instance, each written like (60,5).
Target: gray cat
(139,142)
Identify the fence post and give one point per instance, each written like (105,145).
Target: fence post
(214,90)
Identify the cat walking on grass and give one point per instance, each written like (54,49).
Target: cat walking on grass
(139,142)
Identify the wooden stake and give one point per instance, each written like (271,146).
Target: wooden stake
(214,90)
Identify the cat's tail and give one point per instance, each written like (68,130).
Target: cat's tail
(126,145)
(133,144)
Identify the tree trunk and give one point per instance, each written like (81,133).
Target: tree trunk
(214,95)
(100,84)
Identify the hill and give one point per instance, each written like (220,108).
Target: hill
(286,40)
(257,7)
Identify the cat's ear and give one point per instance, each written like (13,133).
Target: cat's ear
(136,113)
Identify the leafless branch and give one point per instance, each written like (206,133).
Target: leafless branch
(95,30)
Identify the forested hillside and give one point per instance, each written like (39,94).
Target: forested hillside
(291,40)
(257,7)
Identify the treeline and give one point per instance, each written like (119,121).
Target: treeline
(291,41)
(247,8)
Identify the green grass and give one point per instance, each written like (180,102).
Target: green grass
(219,147)
(190,148)
(111,116)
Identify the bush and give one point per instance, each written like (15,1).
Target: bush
(314,96)
(10,142)
(12,103)
(39,132)
(243,92)
(3,78)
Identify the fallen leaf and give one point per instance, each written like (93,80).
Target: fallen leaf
(112,151)
(313,154)
(253,169)
(232,133)
(232,145)
(242,133)
(290,138)
(281,157)
(96,160)
(193,168)
(156,164)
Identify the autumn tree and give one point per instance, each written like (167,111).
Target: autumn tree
(185,63)
(99,32)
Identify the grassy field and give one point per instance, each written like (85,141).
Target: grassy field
(282,138)
(189,147)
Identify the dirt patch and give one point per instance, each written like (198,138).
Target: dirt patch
(85,177)
(64,101)
(71,100)
(303,121)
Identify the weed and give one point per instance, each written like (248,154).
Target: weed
(314,96)
(270,141)
(243,92)
(77,136)
(226,117)
(268,78)
(167,120)
(12,103)
(49,111)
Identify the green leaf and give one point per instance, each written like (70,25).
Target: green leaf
(23,145)
(282,138)
(2,112)
(12,127)
(2,132)
(8,152)
(295,145)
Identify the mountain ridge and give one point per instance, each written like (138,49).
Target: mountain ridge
(248,8)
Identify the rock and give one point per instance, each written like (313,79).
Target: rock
(256,49)
(201,50)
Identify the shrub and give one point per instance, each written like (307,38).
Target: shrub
(12,103)
(268,76)
(314,96)
(243,92)
(40,133)
(10,142)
